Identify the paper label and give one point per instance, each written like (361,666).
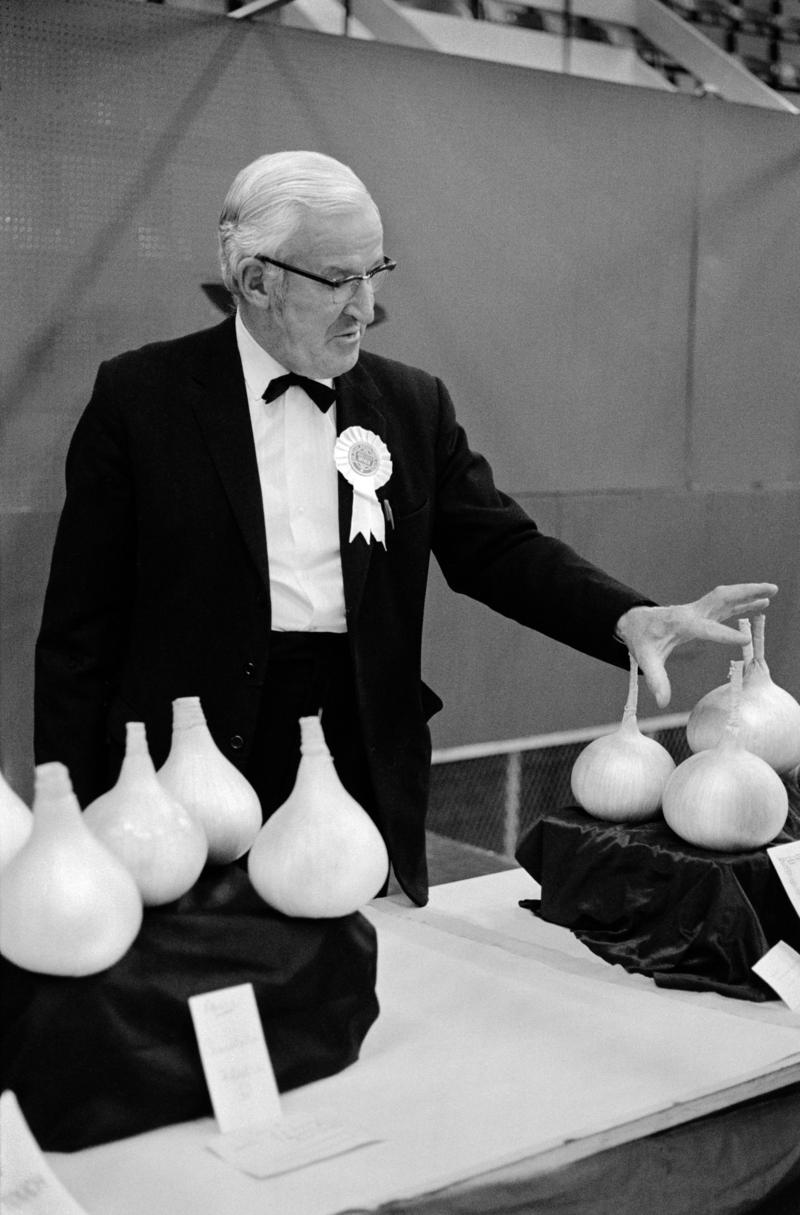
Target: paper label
(786,859)
(780,967)
(296,1140)
(237,1067)
(28,1186)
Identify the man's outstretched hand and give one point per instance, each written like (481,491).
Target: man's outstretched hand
(652,633)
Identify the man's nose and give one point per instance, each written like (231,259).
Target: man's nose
(362,305)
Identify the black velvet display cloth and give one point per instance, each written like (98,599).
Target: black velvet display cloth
(110,1055)
(637,895)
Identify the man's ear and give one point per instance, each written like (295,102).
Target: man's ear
(253,284)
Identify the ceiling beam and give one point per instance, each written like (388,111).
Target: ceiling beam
(257,6)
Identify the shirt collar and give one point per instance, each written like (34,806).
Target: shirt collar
(258,365)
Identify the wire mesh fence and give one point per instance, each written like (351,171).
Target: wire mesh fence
(490,794)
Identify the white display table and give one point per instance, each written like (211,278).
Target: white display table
(504,1052)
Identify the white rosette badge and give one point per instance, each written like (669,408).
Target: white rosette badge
(363,460)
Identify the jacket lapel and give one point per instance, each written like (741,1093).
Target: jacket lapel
(357,405)
(219,401)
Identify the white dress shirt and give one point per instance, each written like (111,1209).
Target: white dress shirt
(294,444)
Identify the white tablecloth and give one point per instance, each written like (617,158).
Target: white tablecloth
(500,1039)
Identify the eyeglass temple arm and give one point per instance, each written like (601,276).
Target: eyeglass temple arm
(388,264)
(262,257)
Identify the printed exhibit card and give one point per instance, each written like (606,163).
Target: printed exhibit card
(28,1186)
(256,1138)
(786,859)
(780,967)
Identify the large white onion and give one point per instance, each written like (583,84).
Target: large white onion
(319,854)
(203,780)
(620,776)
(67,905)
(726,798)
(158,841)
(769,716)
(15,822)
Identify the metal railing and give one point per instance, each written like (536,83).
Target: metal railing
(490,794)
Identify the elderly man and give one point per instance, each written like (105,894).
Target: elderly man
(250,515)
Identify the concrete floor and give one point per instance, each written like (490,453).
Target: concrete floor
(450,861)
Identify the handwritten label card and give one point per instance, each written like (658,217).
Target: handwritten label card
(256,1137)
(28,1186)
(786,859)
(780,967)
(295,1141)
(237,1067)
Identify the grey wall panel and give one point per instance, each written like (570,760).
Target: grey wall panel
(746,416)
(606,278)
(544,270)
(674,545)
(679,544)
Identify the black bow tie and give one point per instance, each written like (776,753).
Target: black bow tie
(322,396)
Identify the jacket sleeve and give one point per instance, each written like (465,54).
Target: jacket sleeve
(88,599)
(490,549)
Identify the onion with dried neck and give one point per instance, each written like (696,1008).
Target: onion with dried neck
(67,905)
(319,854)
(726,798)
(211,788)
(620,776)
(158,841)
(769,717)
(15,822)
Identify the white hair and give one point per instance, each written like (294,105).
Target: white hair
(268,199)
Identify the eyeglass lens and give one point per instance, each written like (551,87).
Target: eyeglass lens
(375,281)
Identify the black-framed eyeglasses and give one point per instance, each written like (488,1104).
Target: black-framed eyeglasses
(341,288)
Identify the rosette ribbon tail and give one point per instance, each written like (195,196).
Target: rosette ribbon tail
(367,519)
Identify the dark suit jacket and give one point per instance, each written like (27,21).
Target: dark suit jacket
(159,584)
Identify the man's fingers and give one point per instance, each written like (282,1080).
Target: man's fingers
(741,607)
(657,680)
(712,630)
(739,599)
(651,633)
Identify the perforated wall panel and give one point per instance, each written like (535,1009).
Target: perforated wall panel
(575,260)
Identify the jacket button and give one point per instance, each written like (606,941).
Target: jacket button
(236,742)
(249,669)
